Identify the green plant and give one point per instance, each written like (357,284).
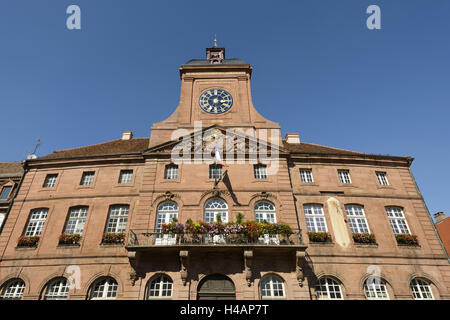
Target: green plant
(407,239)
(368,238)
(28,241)
(239,218)
(69,238)
(319,236)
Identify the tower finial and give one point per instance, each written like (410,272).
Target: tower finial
(215,41)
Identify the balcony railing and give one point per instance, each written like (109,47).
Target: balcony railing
(151,238)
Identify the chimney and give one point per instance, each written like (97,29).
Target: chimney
(127,135)
(292,138)
(439,217)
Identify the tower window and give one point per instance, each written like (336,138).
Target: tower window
(260,171)
(382,179)
(171,172)
(344,176)
(215,171)
(306,175)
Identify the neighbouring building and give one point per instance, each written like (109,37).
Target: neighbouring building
(443,227)
(91,222)
(10,175)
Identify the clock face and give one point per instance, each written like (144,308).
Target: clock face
(215,101)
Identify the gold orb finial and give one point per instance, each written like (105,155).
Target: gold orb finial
(215,41)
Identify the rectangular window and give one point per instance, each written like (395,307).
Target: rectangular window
(36,222)
(315,218)
(75,222)
(382,179)
(5,193)
(50,180)
(88,178)
(126,176)
(397,220)
(260,171)
(356,219)
(117,219)
(344,176)
(215,171)
(306,175)
(171,172)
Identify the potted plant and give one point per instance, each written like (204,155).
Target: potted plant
(113,238)
(319,237)
(68,239)
(407,239)
(28,241)
(364,238)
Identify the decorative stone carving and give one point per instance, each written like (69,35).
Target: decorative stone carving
(300,261)
(184,259)
(248,258)
(133,277)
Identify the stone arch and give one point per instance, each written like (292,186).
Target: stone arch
(273,274)
(383,277)
(427,277)
(88,284)
(153,277)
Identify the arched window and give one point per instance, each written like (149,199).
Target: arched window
(356,218)
(104,288)
(57,289)
(329,289)
(165,212)
(160,287)
(272,287)
(265,210)
(213,207)
(315,218)
(13,290)
(397,220)
(421,289)
(376,289)
(117,219)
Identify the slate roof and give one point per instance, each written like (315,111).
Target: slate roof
(11,169)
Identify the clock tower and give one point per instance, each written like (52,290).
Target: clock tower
(214,90)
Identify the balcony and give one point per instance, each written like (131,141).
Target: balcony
(148,239)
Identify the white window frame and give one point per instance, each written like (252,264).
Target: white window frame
(76,218)
(314,215)
(382,178)
(344,176)
(260,171)
(57,289)
(171,172)
(165,213)
(50,180)
(104,289)
(270,286)
(36,222)
(265,210)
(13,290)
(357,218)
(161,284)
(126,176)
(397,220)
(306,176)
(117,218)
(87,178)
(419,288)
(376,289)
(2,218)
(213,207)
(328,286)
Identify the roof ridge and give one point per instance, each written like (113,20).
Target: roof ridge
(96,144)
(319,145)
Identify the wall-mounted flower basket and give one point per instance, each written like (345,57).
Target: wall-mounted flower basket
(407,239)
(113,238)
(69,239)
(319,237)
(364,238)
(28,241)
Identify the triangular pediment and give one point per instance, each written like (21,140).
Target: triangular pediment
(229,141)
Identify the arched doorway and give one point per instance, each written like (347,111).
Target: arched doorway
(216,287)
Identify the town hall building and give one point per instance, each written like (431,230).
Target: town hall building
(216,204)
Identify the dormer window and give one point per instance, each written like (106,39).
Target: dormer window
(5,193)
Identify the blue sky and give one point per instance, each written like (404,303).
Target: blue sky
(378,91)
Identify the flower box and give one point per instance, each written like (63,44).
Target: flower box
(28,241)
(364,238)
(319,237)
(113,238)
(407,239)
(69,239)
